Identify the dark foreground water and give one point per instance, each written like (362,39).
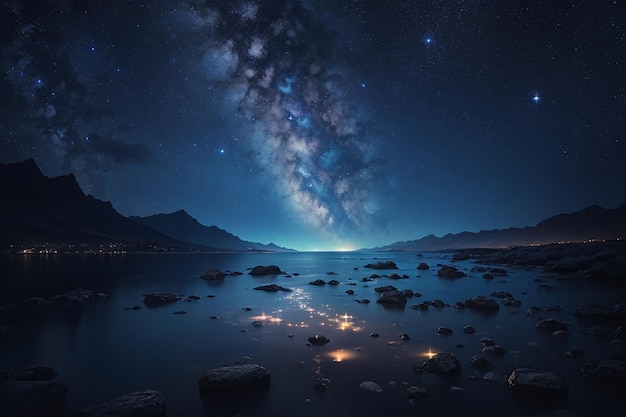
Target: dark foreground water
(102,350)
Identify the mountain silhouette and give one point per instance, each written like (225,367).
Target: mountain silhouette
(182,226)
(592,223)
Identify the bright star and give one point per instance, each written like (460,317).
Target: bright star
(536,98)
(222,151)
(363,85)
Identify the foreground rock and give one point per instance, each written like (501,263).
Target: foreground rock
(32,398)
(234,376)
(271,288)
(481,302)
(605,369)
(442,363)
(531,379)
(382,265)
(266,270)
(146,403)
(159,298)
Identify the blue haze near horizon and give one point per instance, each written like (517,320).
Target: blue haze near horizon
(322,125)
(102,351)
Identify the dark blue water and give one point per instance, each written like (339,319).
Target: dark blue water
(102,350)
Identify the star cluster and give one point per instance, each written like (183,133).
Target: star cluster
(328,124)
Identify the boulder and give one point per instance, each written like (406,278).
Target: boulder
(605,369)
(159,298)
(481,302)
(423,266)
(370,386)
(531,379)
(501,294)
(416,392)
(479,360)
(145,403)
(444,330)
(488,276)
(591,311)
(333,282)
(420,306)
(382,265)
(386,288)
(450,272)
(494,350)
(551,324)
(32,398)
(271,288)
(469,329)
(266,270)
(392,298)
(442,363)
(234,376)
(318,282)
(213,275)
(77,296)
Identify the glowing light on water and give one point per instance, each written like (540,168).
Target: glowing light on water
(341,355)
(429,354)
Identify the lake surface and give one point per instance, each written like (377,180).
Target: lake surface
(103,350)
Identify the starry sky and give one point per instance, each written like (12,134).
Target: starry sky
(323,125)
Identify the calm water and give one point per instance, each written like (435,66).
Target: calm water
(102,351)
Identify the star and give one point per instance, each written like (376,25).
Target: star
(536,98)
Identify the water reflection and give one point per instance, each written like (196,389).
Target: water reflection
(301,301)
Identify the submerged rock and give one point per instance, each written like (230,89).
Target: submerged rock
(318,340)
(213,275)
(145,403)
(450,272)
(159,298)
(234,376)
(423,266)
(605,369)
(392,298)
(382,265)
(266,270)
(318,282)
(481,302)
(370,386)
(551,324)
(271,288)
(442,363)
(526,378)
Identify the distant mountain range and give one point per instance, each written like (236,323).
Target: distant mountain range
(35,209)
(592,223)
(38,209)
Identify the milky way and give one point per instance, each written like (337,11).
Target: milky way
(301,120)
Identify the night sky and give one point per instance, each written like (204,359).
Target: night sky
(323,125)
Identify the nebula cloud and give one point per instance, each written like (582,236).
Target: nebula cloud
(304,126)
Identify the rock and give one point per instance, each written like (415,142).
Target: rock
(442,363)
(423,266)
(385,288)
(192,298)
(420,306)
(32,398)
(450,272)
(265,270)
(444,330)
(497,377)
(271,288)
(590,311)
(469,329)
(494,350)
(416,392)
(561,333)
(179,312)
(31,304)
(551,324)
(479,360)
(159,298)
(370,386)
(408,293)
(487,341)
(605,369)
(501,294)
(77,296)
(35,373)
(437,303)
(350,292)
(363,301)
(213,275)
(318,340)
(498,272)
(544,287)
(619,310)
(392,298)
(394,276)
(482,303)
(574,353)
(526,378)
(459,305)
(333,282)
(145,403)
(509,301)
(382,265)
(234,376)
(136,308)
(460,256)
(318,282)
(374,334)
(405,337)
(488,276)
